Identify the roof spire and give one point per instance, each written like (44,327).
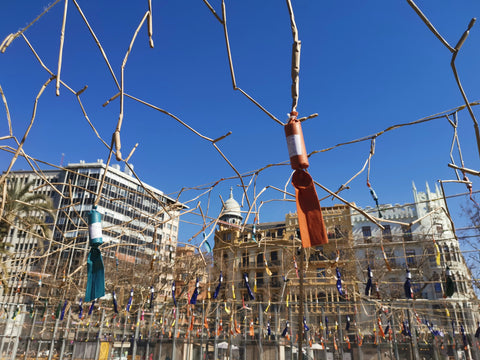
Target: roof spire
(231,192)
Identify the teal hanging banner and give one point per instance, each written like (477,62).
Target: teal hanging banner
(96,272)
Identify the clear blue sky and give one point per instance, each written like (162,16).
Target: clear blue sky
(365,65)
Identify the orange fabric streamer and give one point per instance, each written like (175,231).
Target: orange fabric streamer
(310,218)
(220,328)
(380,329)
(237,327)
(252,331)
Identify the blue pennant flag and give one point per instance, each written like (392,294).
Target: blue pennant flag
(305,327)
(80,308)
(217,289)
(173,294)
(62,315)
(115,305)
(339,282)
(90,310)
(408,286)
(368,287)
(130,299)
(152,293)
(249,290)
(193,299)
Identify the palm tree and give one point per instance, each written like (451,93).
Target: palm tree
(23,209)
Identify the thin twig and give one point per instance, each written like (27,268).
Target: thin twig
(7,111)
(213,11)
(295,57)
(368,216)
(60,51)
(429,25)
(97,42)
(8,40)
(32,119)
(150,24)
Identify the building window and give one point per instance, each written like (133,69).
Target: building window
(446,252)
(274,257)
(387,233)
(367,234)
(411,259)
(407,233)
(259,278)
(245,260)
(260,259)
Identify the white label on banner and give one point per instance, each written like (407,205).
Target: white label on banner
(95,230)
(294,145)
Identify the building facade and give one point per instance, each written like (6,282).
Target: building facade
(418,238)
(270,256)
(139,229)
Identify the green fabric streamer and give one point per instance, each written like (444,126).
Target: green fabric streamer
(95,269)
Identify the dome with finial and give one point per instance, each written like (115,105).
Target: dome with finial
(231,208)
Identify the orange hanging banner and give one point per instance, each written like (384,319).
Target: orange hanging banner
(310,219)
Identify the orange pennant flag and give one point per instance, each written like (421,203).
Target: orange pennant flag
(191,323)
(237,327)
(348,342)
(220,328)
(380,329)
